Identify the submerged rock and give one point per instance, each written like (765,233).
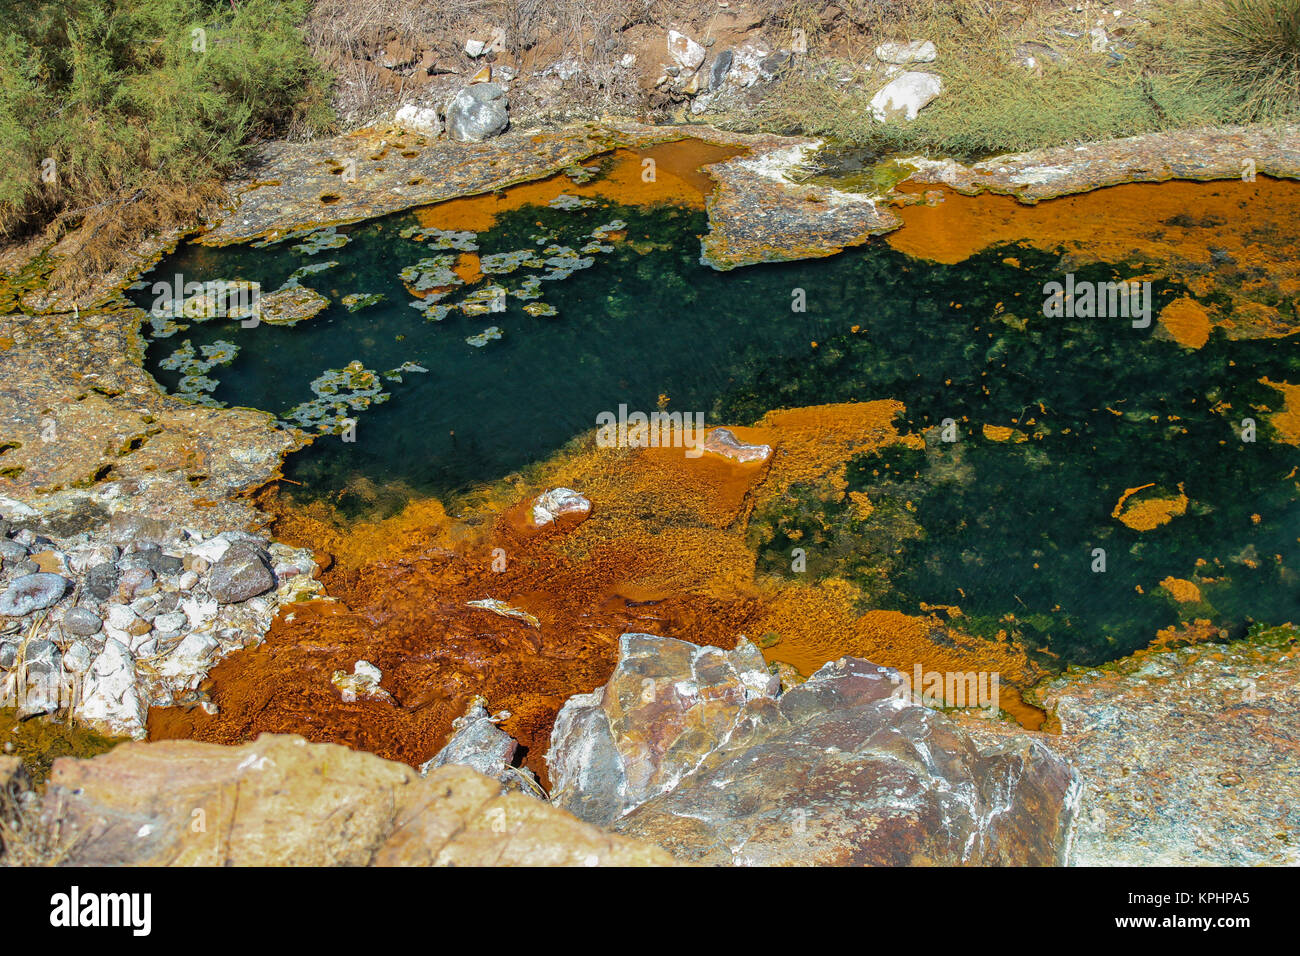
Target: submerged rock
(362,682)
(551,505)
(291,305)
(722,441)
(505,610)
(32,592)
(478,112)
(692,748)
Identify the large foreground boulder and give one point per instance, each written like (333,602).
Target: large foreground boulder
(1189,756)
(695,749)
(281,800)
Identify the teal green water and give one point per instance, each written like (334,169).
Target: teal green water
(997,529)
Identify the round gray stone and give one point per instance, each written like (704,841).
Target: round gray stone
(82,621)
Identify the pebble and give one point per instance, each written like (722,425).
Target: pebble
(101,581)
(11,550)
(133,580)
(119,616)
(53,562)
(171,623)
(82,621)
(77,657)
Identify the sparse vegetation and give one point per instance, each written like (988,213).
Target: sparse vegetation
(1246,53)
(1217,61)
(121,117)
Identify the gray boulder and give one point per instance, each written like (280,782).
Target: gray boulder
(667,704)
(687,748)
(242,573)
(477,112)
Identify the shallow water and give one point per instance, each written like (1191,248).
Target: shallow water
(1003,533)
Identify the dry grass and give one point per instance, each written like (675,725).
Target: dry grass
(991,102)
(27,838)
(349,35)
(1244,52)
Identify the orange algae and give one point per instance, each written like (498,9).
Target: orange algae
(1181,590)
(1181,229)
(1001,433)
(1287,419)
(1143,513)
(1187,322)
(677,178)
(664,550)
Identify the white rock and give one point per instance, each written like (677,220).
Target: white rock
(110,698)
(627,61)
(190,657)
(120,617)
(362,682)
(211,550)
(685,52)
(144,645)
(172,622)
(419,119)
(918,51)
(367,671)
(77,657)
(722,441)
(906,96)
(476,48)
(746,65)
(187,581)
(549,505)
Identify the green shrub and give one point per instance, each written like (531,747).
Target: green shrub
(141,103)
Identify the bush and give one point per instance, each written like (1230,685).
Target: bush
(1243,53)
(123,113)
